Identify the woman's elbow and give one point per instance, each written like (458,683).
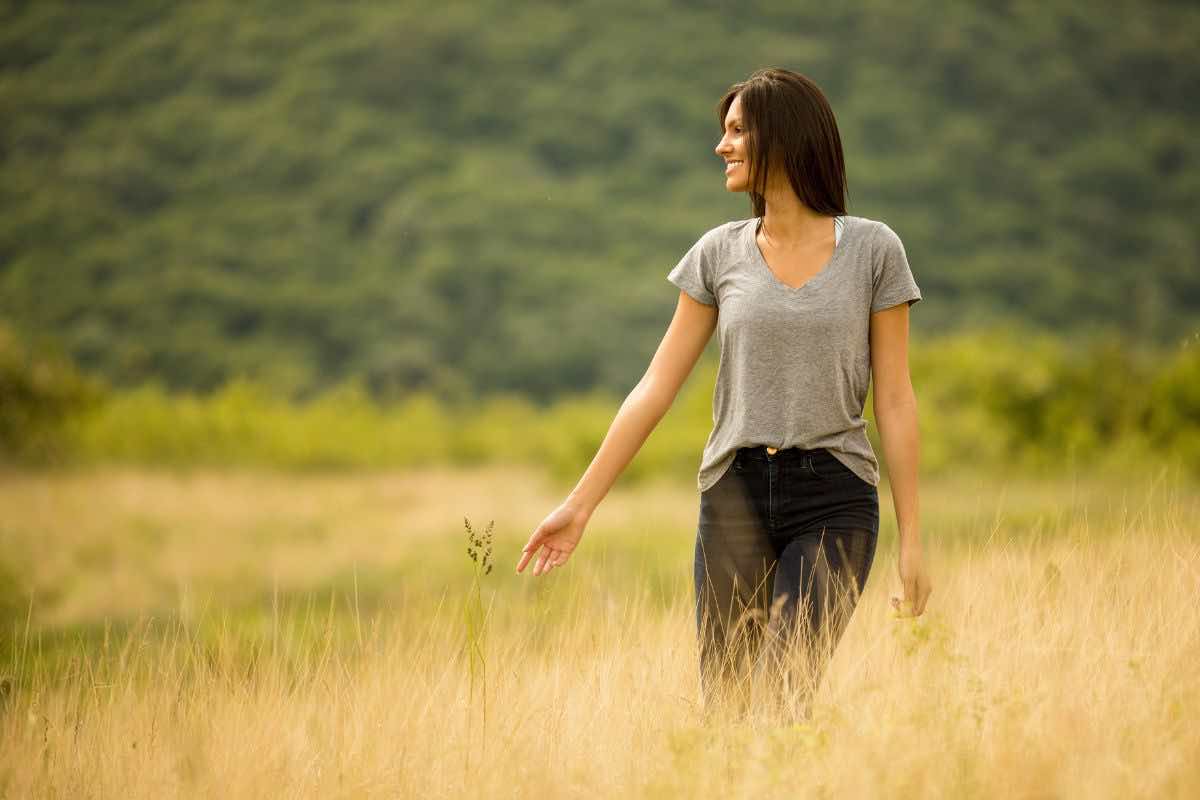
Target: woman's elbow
(653,395)
(903,401)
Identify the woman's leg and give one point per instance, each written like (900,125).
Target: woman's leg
(817,584)
(733,567)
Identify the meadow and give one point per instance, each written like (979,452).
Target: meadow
(203,633)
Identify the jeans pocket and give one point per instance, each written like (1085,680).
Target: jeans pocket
(828,467)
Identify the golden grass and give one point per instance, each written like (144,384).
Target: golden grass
(1058,656)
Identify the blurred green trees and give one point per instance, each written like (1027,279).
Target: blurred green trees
(457,198)
(993,399)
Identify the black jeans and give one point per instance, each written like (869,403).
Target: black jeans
(783,549)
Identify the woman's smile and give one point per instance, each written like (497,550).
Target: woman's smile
(733,148)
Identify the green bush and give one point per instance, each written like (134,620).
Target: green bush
(1172,417)
(998,399)
(40,390)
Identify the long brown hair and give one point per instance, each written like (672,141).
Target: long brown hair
(789,122)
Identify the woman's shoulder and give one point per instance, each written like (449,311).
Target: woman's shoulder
(730,229)
(718,239)
(876,229)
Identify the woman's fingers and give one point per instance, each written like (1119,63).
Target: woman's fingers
(529,551)
(555,559)
(923,600)
(548,560)
(902,606)
(544,557)
(911,606)
(526,554)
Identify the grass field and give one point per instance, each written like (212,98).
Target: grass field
(223,634)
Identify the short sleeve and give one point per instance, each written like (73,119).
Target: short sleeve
(893,281)
(696,271)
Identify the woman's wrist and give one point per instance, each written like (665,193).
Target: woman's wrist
(579,505)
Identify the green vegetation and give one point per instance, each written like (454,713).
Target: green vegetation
(41,392)
(994,399)
(456,198)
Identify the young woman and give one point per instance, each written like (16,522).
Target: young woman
(813,305)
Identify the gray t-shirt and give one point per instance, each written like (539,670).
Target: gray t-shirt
(795,362)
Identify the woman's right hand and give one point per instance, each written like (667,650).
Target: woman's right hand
(556,538)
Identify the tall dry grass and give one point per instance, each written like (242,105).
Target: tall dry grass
(1057,658)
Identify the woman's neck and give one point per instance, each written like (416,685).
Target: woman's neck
(790,223)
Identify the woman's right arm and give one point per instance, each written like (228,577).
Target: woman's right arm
(644,407)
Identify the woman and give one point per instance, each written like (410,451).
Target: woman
(813,306)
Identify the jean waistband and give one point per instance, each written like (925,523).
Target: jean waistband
(787,454)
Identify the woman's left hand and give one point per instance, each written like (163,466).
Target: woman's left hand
(914,579)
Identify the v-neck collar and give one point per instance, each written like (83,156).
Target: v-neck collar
(757,255)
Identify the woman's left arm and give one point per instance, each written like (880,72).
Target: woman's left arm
(895,406)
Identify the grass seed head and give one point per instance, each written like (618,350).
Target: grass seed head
(479,546)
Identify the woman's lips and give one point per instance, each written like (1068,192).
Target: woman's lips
(730,166)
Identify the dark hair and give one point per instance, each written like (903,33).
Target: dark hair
(788,121)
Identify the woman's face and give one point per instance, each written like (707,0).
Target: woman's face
(732,149)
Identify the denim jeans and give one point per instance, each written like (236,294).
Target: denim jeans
(783,548)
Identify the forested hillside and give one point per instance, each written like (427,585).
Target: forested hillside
(483,196)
